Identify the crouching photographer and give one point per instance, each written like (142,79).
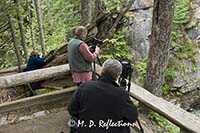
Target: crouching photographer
(102,106)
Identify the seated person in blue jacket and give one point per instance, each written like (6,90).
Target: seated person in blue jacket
(102,106)
(34,62)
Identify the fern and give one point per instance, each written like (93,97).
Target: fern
(181,16)
(116,48)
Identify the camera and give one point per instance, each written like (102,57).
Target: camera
(126,74)
(93,42)
(126,69)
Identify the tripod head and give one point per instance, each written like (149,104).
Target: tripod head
(126,74)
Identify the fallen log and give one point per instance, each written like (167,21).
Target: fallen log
(36,75)
(32,76)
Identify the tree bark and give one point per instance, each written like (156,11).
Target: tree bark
(159,45)
(39,20)
(86,13)
(20,22)
(17,51)
(30,24)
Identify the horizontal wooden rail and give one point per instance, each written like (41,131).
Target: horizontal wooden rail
(183,119)
(37,100)
(32,76)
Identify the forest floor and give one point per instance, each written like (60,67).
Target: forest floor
(56,121)
(50,119)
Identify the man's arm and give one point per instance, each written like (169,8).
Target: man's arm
(39,60)
(90,57)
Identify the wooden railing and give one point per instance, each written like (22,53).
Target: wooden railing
(183,119)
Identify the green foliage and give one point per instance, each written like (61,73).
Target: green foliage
(59,17)
(44,91)
(6,57)
(166,89)
(169,74)
(163,123)
(113,4)
(141,67)
(181,17)
(116,48)
(185,51)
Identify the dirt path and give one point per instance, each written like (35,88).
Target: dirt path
(46,123)
(51,122)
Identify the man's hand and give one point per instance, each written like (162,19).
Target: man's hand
(97,50)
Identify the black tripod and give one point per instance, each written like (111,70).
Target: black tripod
(123,83)
(94,68)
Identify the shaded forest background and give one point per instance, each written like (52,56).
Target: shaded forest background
(58,19)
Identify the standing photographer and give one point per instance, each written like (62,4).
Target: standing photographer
(102,106)
(80,58)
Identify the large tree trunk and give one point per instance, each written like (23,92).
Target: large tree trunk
(159,45)
(20,22)
(86,13)
(17,51)
(30,24)
(39,19)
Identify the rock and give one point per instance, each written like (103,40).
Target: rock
(3,121)
(139,31)
(188,99)
(189,87)
(192,33)
(38,114)
(197,1)
(25,118)
(142,4)
(178,81)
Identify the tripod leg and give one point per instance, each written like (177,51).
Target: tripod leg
(141,129)
(99,61)
(31,89)
(94,71)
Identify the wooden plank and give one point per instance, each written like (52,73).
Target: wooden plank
(183,119)
(31,76)
(37,100)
